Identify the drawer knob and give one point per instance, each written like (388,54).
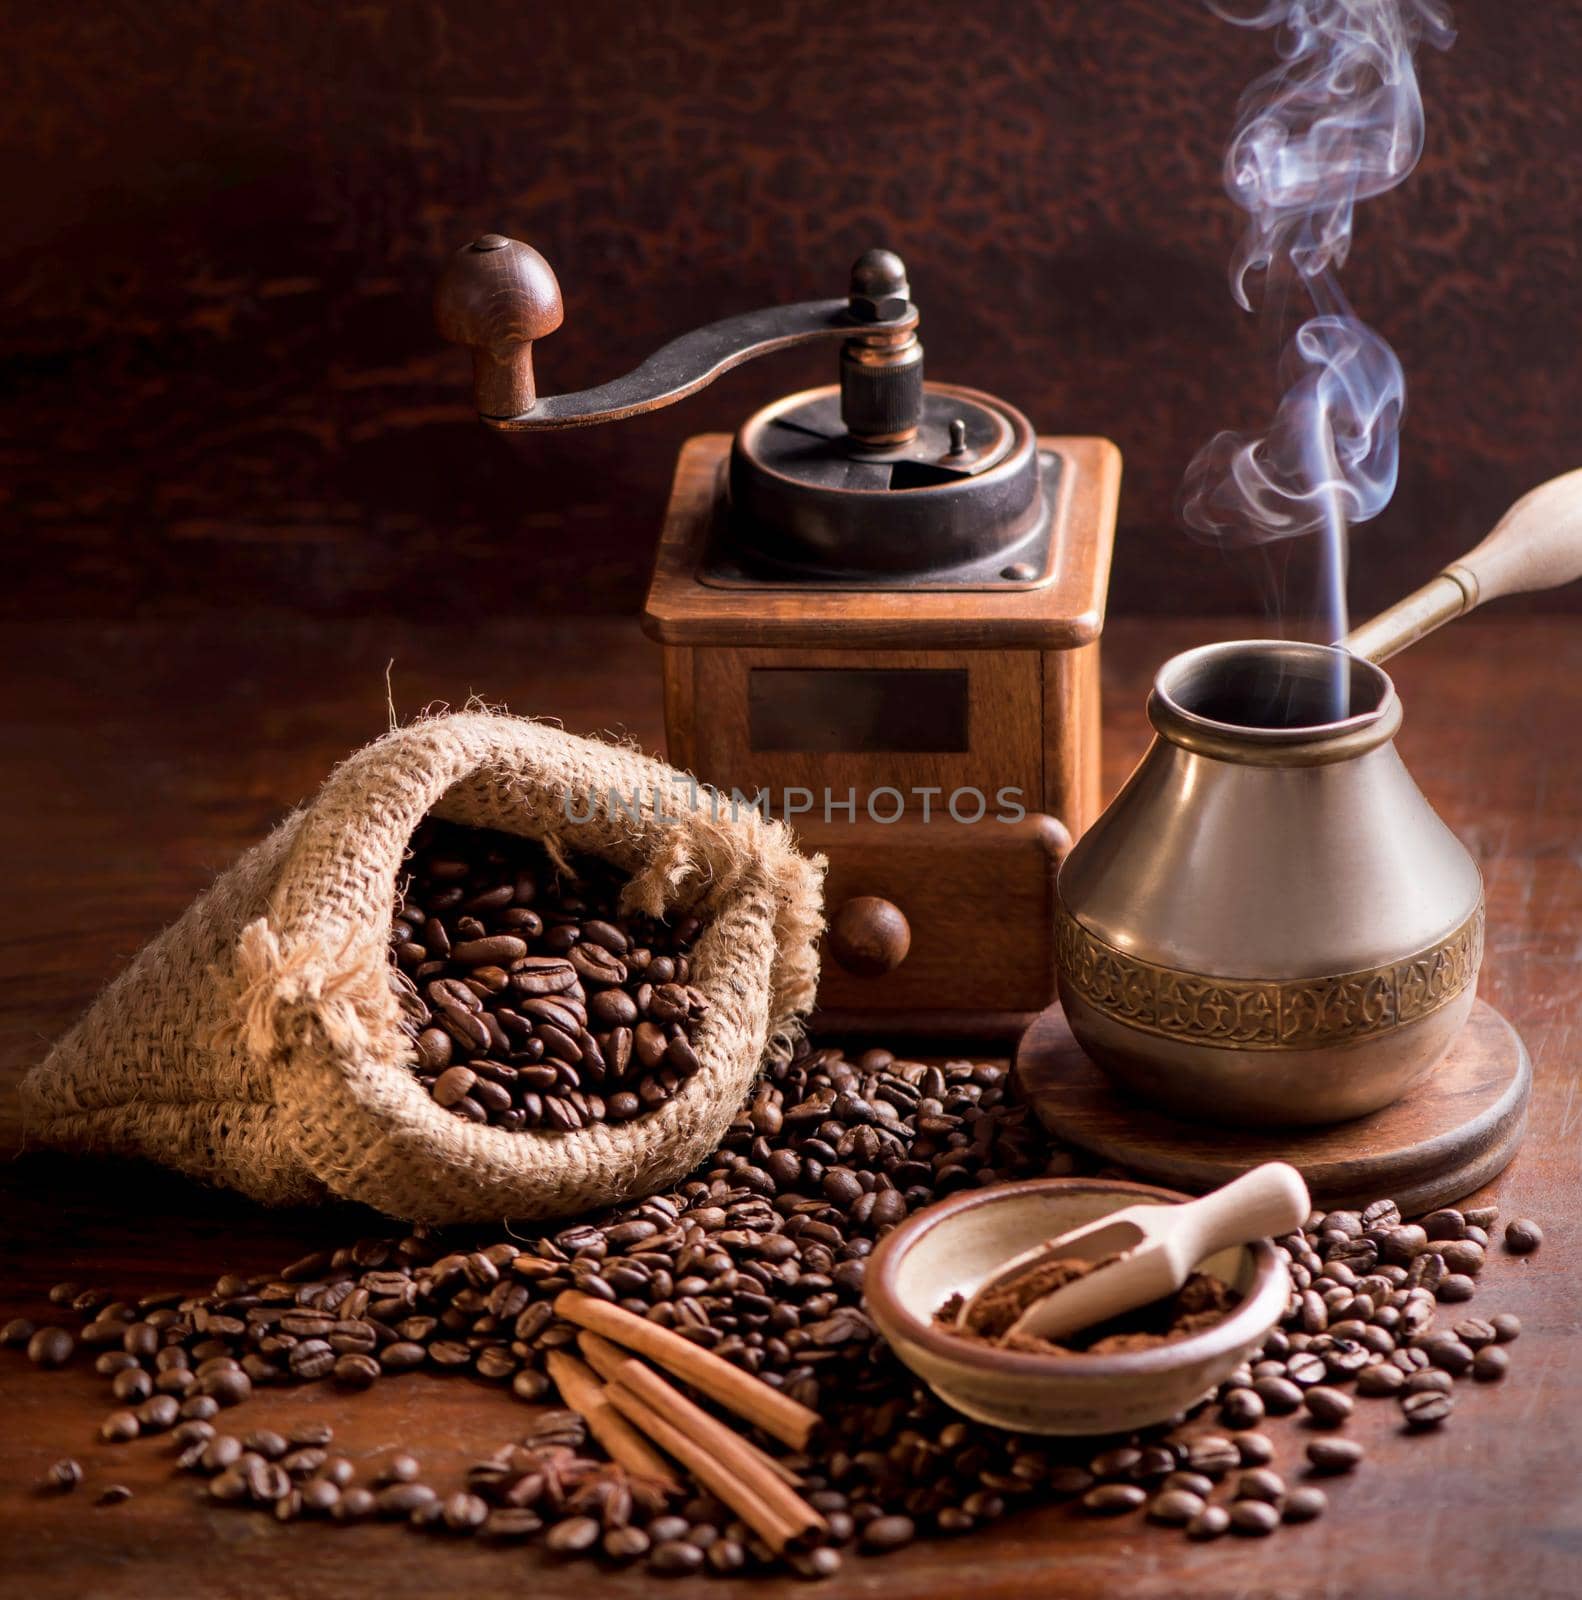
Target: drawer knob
(870,936)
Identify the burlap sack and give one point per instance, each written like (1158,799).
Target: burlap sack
(255,1042)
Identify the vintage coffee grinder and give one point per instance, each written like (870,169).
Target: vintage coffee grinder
(879,603)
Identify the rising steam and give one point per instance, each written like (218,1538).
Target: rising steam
(1340,120)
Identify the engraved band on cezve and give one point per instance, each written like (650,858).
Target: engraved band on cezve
(1290,1014)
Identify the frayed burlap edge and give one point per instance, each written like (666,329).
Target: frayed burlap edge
(256,1042)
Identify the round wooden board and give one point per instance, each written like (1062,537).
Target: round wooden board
(1445,1139)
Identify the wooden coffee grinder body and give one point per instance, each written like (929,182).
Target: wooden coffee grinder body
(940,748)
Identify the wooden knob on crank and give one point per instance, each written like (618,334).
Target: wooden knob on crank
(870,936)
(498,295)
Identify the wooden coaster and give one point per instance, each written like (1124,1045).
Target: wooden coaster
(1448,1137)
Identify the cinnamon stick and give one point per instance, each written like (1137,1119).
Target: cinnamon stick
(739,1392)
(725,1463)
(581,1390)
(779,1532)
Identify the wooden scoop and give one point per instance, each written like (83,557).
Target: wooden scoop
(1158,1246)
(1537,544)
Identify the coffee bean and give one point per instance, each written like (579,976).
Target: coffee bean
(50,1347)
(158,1414)
(1328,1407)
(1523,1236)
(1153,1463)
(1506,1325)
(1403,1242)
(1426,1409)
(454,1084)
(62,1477)
(114,1495)
(1279,1395)
(402,1356)
(1305,1505)
(311,1359)
(462,1513)
(402,1499)
(317,1498)
(1212,1455)
(227,1387)
(1254,1449)
(1111,1499)
(120,1426)
(1457,1286)
(820,1563)
(267,1443)
(572,1535)
(1175,1507)
(626,1544)
(1253,1518)
(1463,1257)
(303,1463)
(1448,1353)
(1192,1482)
(16,1333)
(1427,1271)
(141,1340)
(1209,1523)
(1380,1379)
(355,1505)
(1431,1380)
(1260,1484)
(1068,1481)
(1490,1364)
(1115,1463)
(132,1385)
(1244,1408)
(356,1371)
(1332,1456)
(1446,1224)
(496,950)
(1475,1332)
(512,1523)
(887,1533)
(399,1468)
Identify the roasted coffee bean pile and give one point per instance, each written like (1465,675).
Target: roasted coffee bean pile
(531,999)
(760,1257)
(1366,1292)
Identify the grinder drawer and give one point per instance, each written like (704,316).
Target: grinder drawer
(938,927)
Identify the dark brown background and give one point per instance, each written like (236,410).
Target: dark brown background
(224,220)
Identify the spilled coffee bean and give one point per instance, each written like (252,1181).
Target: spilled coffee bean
(760,1256)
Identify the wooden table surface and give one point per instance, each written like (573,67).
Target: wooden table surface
(141,758)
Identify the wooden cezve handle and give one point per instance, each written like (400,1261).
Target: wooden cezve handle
(1536,545)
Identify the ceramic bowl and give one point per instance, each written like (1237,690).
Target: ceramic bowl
(952,1247)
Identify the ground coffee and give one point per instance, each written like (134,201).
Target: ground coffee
(1199,1303)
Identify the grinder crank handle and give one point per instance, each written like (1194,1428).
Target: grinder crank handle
(1537,544)
(498,295)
